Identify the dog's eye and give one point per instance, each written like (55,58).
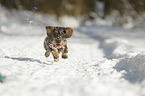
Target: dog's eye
(61,31)
(64,32)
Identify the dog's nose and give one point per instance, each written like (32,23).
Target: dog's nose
(58,37)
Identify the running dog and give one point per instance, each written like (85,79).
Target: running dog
(55,42)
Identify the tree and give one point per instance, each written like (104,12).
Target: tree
(59,7)
(124,6)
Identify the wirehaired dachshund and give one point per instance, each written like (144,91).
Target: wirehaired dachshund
(55,42)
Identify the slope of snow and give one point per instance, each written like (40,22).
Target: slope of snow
(102,60)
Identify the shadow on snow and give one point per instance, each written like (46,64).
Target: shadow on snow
(28,59)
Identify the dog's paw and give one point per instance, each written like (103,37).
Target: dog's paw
(64,56)
(47,54)
(56,59)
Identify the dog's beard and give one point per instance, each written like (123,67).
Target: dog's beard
(59,45)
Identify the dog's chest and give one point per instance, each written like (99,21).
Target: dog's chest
(57,45)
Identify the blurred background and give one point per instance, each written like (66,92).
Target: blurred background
(124,13)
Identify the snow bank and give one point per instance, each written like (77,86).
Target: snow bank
(133,67)
(115,44)
(130,60)
(115,47)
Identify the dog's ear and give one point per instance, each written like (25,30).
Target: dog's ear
(49,30)
(69,32)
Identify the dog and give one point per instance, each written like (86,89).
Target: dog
(55,42)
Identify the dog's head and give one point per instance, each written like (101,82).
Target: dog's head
(58,33)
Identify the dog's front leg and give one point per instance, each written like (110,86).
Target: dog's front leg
(47,53)
(46,46)
(65,51)
(55,54)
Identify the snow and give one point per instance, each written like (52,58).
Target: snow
(102,61)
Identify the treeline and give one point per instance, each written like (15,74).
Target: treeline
(77,7)
(124,6)
(58,7)
(125,13)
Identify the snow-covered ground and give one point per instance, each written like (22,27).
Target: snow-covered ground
(103,60)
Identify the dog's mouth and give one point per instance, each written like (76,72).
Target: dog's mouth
(58,44)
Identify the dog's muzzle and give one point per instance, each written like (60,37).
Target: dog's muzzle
(58,41)
(58,44)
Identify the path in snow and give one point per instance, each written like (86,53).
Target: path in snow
(85,73)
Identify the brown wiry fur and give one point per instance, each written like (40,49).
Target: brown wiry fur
(55,42)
